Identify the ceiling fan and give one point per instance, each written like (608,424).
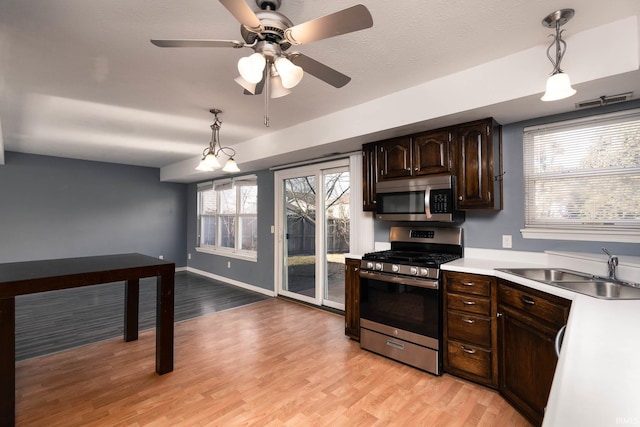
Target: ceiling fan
(270,34)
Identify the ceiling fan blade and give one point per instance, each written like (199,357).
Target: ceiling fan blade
(319,70)
(197,43)
(345,21)
(243,13)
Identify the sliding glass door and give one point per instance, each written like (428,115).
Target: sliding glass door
(313,232)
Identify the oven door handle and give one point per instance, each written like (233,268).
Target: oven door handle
(401,280)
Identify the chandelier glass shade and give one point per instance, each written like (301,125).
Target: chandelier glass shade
(211,155)
(558,84)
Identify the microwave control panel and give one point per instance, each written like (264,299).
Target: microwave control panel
(441,201)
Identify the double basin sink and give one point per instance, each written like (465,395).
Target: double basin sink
(583,283)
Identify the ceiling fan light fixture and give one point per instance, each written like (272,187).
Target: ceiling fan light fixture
(251,67)
(249,87)
(290,74)
(276,90)
(558,87)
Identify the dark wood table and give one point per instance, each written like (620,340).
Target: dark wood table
(21,278)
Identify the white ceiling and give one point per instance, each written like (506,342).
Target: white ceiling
(80,78)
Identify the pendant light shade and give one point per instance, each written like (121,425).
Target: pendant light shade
(558,87)
(231,166)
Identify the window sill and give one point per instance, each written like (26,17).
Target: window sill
(620,236)
(228,254)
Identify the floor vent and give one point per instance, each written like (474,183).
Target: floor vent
(605,100)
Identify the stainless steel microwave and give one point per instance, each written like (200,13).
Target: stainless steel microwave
(428,198)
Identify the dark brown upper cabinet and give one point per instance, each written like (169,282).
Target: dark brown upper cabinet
(431,152)
(394,158)
(477,165)
(472,152)
(369,176)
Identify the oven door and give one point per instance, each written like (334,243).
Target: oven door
(410,304)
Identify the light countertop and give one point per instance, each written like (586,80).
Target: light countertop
(597,379)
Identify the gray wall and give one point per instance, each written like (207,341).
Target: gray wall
(54,207)
(260,273)
(484,229)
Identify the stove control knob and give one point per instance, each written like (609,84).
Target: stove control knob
(395,268)
(414,271)
(424,271)
(379,266)
(369,265)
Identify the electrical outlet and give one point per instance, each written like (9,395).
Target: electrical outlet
(188,256)
(506,241)
(161,257)
(228,264)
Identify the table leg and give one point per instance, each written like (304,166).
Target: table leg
(7,361)
(164,322)
(131,307)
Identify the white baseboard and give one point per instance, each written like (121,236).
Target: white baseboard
(231,281)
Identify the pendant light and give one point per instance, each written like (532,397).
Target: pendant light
(211,155)
(558,84)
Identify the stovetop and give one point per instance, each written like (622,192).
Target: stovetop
(414,258)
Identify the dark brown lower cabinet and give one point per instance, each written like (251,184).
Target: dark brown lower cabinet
(528,323)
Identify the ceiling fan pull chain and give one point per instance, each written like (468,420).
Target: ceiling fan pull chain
(267,94)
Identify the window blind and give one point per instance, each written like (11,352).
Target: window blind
(584,174)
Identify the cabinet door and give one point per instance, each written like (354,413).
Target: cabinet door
(394,158)
(475,157)
(431,152)
(352,298)
(527,362)
(369,177)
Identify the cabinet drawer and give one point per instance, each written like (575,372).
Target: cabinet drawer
(469,284)
(466,327)
(531,303)
(469,303)
(470,359)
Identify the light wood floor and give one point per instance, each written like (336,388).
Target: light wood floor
(271,363)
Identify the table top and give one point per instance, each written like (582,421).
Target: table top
(18,278)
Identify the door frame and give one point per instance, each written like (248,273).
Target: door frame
(279,229)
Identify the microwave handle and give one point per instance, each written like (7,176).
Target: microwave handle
(427,197)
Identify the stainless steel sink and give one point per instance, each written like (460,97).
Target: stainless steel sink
(583,283)
(602,289)
(548,275)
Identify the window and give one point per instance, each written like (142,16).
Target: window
(582,179)
(228,216)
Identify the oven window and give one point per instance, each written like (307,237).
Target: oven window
(411,308)
(410,202)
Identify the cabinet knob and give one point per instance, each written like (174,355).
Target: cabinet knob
(459,197)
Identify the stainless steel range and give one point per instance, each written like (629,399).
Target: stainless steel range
(401,296)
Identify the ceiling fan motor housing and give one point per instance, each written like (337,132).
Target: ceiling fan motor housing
(274,24)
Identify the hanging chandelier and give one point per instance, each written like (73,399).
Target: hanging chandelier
(211,155)
(558,84)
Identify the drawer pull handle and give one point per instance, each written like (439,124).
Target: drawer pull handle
(527,300)
(467,350)
(470,321)
(395,345)
(469,302)
(467,283)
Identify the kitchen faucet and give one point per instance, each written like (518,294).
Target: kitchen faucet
(612,263)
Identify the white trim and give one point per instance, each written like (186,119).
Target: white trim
(181,269)
(228,254)
(232,282)
(621,236)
